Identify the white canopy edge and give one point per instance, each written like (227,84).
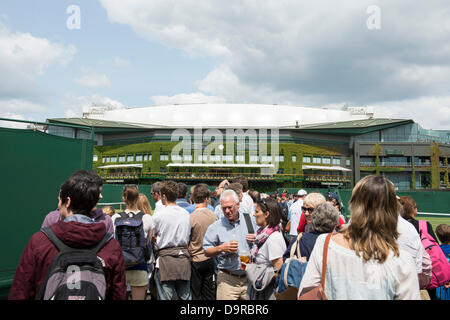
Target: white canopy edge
(110,166)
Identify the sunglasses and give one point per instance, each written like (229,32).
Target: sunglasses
(304,209)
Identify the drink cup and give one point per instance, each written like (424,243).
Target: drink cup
(244,256)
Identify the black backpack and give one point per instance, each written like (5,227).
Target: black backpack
(129,232)
(74,274)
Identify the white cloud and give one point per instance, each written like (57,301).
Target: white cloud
(11,124)
(307,53)
(430,112)
(186,98)
(74,106)
(122,63)
(20,105)
(93,80)
(23,58)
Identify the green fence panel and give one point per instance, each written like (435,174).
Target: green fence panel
(34,165)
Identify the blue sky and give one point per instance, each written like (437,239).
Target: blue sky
(136,69)
(147,52)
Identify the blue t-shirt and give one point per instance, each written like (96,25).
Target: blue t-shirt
(446,249)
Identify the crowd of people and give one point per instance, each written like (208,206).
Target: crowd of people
(231,243)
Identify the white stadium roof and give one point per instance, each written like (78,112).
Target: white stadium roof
(228,115)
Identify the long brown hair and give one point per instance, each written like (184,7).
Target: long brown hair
(143,204)
(374,211)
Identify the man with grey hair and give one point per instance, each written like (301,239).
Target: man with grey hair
(224,239)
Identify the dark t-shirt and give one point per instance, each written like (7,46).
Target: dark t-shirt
(415,223)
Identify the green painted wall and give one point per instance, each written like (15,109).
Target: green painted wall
(33,165)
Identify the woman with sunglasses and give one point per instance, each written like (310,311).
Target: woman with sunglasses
(310,202)
(266,255)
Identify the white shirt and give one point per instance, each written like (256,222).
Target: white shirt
(147,220)
(158,206)
(246,205)
(409,241)
(273,248)
(348,277)
(172,225)
(295,213)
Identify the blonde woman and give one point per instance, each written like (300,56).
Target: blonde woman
(144,205)
(364,261)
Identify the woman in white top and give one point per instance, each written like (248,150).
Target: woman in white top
(364,262)
(269,245)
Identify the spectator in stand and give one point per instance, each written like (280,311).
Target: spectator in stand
(203,269)
(182,193)
(144,205)
(364,261)
(266,254)
(78,196)
(172,230)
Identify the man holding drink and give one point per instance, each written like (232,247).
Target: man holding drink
(224,239)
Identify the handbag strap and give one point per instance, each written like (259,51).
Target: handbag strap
(324,261)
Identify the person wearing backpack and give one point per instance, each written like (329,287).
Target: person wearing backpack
(39,274)
(440,267)
(132,230)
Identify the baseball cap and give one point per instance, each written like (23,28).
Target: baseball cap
(302,193)
(332,195)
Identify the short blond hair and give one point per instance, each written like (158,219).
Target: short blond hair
(313,199)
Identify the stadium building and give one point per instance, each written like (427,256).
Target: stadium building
(275,146)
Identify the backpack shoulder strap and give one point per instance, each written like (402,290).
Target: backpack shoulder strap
(248,221)
(423,226)
(103,242)
(123,214)
(139,215)
(61,246)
